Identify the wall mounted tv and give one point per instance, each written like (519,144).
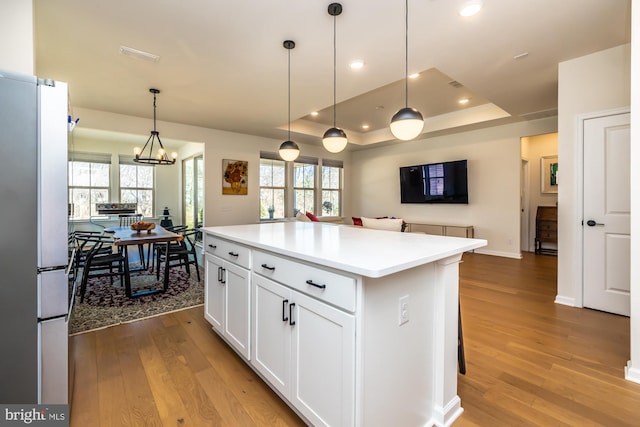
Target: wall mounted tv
(444,182)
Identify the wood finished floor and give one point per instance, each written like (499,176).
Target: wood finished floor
(530,362)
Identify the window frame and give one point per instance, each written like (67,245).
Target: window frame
(91,159)
(128,162)
(289,188)
(270,216)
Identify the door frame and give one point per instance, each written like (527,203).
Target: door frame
(579,241)
(525,211)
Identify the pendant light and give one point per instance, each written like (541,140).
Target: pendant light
(289,150)
(334,139)
(160,157)
(407,123)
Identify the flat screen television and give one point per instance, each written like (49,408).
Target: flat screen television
(444,182)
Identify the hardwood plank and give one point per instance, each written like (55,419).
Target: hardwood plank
(170,408)
(85,396)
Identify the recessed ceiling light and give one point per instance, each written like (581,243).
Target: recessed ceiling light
(470,8)
(139,54)
(357,64)
(314,113)
(365,127)
(463,101)
(414,75)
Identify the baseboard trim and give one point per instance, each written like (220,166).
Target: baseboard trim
(565,301)
(631,374)
(444,417)
(514,255)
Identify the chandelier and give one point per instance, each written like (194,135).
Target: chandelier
(160,157)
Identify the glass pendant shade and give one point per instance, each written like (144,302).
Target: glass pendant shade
(334,140)
(407,123)
(289,151)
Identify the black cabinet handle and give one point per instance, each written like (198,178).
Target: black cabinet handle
(219,274)
(233,254)
(222,276)
(291,321)
(284,310)
(267,267)
(212,246)
(592,223)
(310,282)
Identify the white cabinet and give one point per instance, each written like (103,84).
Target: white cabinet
(306,349)
(227,301)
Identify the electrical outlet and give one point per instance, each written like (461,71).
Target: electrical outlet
(403,310)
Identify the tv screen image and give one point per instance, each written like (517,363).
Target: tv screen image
(444,182)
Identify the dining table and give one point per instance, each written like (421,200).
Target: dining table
(125,236)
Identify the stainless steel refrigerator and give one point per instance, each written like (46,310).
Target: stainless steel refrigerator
(34,296)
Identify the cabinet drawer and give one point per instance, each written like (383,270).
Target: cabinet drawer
(548,236)
(227,250)
(548,225)
(327,286)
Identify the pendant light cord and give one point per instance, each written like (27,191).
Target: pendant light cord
(154,112)
(406,53)
(334,71)
(289,96)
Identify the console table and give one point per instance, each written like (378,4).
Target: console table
(546,229)
(441,229)
(350,326)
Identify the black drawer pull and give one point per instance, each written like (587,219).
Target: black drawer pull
(284,310)
(310,282)
(212,246)
(222,275)
(267,267)
(291,321)
(233,254)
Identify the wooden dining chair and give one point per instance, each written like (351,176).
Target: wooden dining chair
(101,261)
(183,254)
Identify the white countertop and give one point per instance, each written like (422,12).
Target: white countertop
(366,252)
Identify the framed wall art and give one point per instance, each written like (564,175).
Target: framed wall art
(234,177)
(549,174)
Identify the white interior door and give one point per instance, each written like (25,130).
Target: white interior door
(606,214)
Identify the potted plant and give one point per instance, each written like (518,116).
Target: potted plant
(328,207)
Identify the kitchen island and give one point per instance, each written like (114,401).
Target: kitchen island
(350,326)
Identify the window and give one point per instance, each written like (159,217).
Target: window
(88,183)
(193,191)
(272,186)
(304,185)
(136,186)
(331,188)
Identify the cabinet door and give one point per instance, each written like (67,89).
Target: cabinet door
(214,292)
(237,302)
(271,345)
(323,362)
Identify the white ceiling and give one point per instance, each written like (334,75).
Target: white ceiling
(222,64)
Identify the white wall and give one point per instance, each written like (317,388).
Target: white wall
(16,32)
(494,181)
(533,149)
(218,145)
(592,83)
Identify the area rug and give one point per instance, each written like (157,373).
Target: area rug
(107,305)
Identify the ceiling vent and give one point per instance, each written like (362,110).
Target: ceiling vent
(455,83)
(139,54)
